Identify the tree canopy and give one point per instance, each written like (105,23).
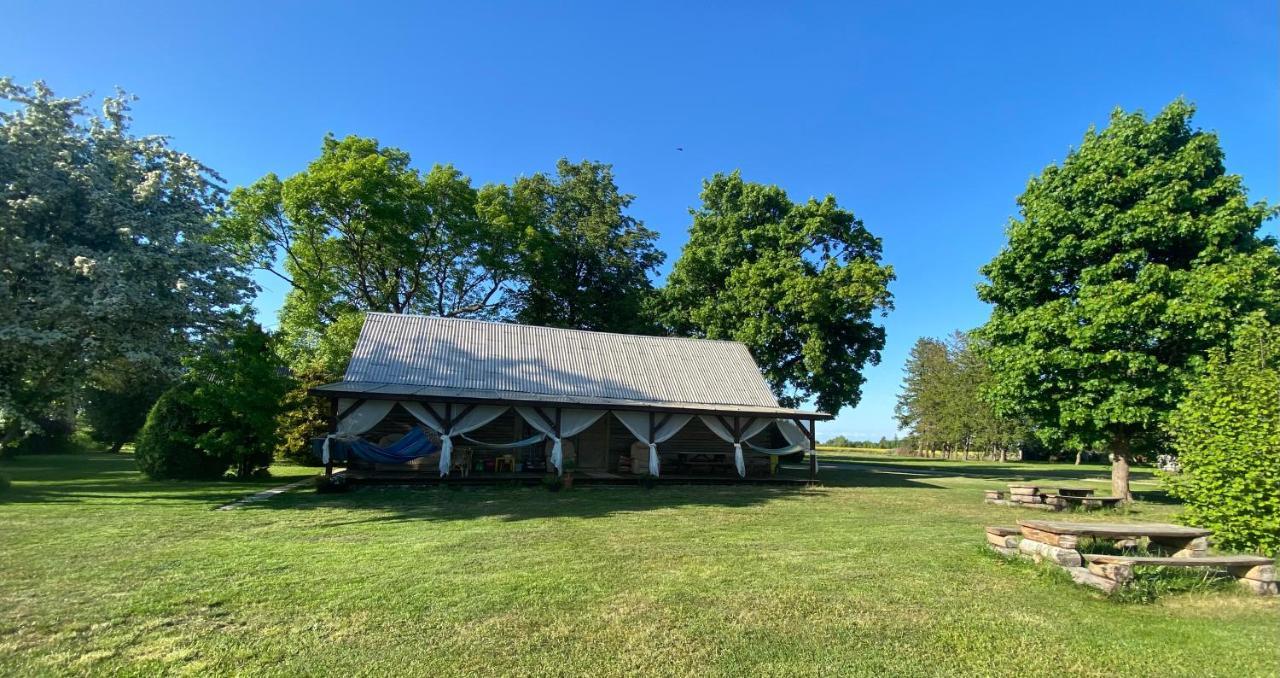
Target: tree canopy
(798,283)
(944,399)
(361,230)
(104,258)
(1130,260)
(584,263)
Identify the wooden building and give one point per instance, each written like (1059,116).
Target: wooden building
(498,400)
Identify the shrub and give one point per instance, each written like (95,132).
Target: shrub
(5,484)
(302,417)
(56,436)
(117,402)
(168,446)
(222,414)
(1227,435)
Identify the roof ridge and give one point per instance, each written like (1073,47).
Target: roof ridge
(549,329)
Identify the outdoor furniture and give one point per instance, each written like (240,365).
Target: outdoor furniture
(1059,542)
(1032,496)
(505,461)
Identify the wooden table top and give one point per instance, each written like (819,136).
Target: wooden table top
(1116,529)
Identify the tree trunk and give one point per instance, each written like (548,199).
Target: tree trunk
(115,447)
(1120,457)
(1079,455)
(1004,454)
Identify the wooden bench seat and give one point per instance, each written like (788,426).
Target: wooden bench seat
(1004,539)
(1201,561)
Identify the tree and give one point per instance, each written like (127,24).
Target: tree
(221,415)
(117,400)
(104,255)
(944,399)
(1226,431)
(922,402)
(584,263)
(360,230)
(1131,260)
(798,283)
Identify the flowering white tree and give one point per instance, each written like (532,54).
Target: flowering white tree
(103,252)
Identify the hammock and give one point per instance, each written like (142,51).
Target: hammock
(531,440)
(778,451)
(414,444)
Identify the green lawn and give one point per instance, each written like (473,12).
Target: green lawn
(881,571)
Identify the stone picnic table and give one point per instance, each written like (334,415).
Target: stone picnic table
(1037,497)
(1177,545)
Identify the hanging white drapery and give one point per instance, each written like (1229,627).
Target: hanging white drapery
(799,442)
(572,422)
(638,424)
(356,421)
(469,419)
(753,428)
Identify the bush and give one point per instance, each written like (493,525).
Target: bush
(1227,434)
(168,446)
(221,415)
(302,417)
(56,436)
(117,402)
(5,484)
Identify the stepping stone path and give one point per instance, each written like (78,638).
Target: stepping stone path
(263,496)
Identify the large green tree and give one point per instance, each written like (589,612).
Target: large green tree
(361,230)
(945,400)
(584,263)
(1130,260)
(104,255)
(799,283)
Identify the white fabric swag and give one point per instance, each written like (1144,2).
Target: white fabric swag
(572,422)
(357,421)
(638,424)
(472,420)
(751,430)
(791,431)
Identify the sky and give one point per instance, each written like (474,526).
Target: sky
(924,119)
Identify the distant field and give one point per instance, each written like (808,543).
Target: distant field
(878,572)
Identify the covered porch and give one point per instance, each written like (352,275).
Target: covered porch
(484,438)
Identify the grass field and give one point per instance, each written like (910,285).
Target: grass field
(880,571)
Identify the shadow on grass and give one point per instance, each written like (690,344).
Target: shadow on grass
(992,471)
(110,478)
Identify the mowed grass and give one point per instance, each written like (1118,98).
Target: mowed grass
(880,571)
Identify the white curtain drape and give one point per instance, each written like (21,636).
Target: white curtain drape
(799,442)
(752,430)
(359,420)
(472,420)
(638,424)
(572,422)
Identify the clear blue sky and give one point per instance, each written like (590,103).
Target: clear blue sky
(925,119)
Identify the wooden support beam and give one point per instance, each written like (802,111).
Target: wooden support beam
(547,418)
(333,428)
(466,410)
(812,432)
(343,414)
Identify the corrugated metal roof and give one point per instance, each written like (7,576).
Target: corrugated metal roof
(454,355)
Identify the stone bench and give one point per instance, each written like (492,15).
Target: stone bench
(1255,573)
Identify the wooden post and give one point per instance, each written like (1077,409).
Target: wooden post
(812,433)
(333,428)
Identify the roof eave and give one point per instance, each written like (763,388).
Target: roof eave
(336,390)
